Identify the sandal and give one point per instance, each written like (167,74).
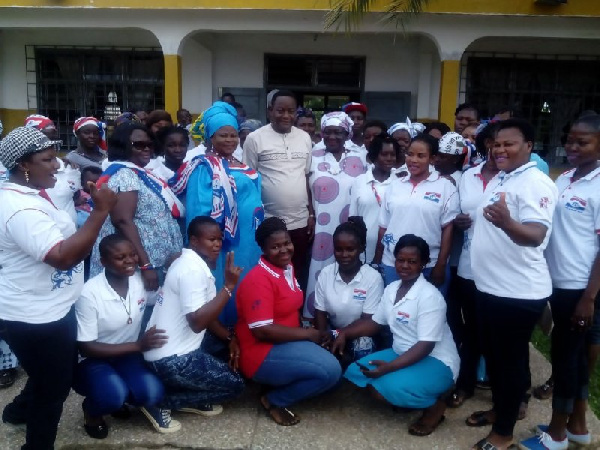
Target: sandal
(484,444)
(420,429)
(457,398)
(281,416)
(544,391)
(479,419)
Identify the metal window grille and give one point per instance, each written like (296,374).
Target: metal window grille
(65,82)
(548,90)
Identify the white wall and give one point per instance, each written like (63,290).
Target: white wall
(238,58)
(197,76)
(13,82)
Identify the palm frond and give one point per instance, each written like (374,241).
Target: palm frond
(350,13)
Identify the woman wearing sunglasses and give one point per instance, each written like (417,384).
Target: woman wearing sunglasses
(146,212)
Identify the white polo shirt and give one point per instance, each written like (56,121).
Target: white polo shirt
(284,161)
(471,191)
(345,303)
(503,268)
(422,209)
(188,286)
(30,226)
(3,174)
(419,316)
(102,314)
(366,196)
(573,245)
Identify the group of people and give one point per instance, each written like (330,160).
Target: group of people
(393,257)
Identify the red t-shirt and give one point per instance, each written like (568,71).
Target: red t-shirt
(264,297)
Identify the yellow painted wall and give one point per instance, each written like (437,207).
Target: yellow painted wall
(449,91)
(172,84)
(528,7)
(13,118)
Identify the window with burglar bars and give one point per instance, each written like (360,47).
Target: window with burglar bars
(548,90)
(65,83)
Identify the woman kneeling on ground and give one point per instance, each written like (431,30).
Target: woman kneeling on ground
(109,318)
(423,362)
(348,290)
(275,349)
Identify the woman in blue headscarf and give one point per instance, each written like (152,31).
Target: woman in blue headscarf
(218,185)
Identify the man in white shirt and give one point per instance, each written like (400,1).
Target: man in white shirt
(281,153)
(186,305)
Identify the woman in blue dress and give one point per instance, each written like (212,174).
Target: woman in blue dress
(218,185)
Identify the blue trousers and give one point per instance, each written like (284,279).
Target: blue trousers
(196,379)
(108,383)
(390,275)
(297,370)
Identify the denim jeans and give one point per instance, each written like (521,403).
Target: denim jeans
(297,370)
(108,383)
(48,354)
(195,379)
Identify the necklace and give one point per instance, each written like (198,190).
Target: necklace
(230,159)
(129,321)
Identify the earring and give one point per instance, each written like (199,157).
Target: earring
(27,176)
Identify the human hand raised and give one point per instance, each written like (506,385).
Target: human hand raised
(232,272)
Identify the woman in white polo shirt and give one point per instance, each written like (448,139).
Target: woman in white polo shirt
(423,362)
(511,274)
(574,263)
(368,189)
(422,203)
(41,256)
(348,290)
(109,319)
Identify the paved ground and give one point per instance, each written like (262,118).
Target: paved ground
(346,418)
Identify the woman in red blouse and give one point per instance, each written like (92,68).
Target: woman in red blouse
(275,349)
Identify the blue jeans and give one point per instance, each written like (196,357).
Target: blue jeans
(298,370)
(196,379)
(47,352)
(108,383)
(390,275)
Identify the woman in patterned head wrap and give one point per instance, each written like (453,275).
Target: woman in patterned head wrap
(332,174)
(218,185)
(91,147)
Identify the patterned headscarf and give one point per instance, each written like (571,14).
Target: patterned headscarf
(354,106)
(454,144)
(219,115)
(84,121)
(413,128)
(338,119)
(39,122)
(127,117)
(251,125)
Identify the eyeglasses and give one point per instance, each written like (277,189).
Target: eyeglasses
(142,145)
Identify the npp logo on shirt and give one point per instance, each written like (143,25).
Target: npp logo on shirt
(433,196)
(576,204)
(360,295)
(402,318)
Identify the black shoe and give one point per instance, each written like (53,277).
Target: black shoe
(7,377)
(99,431)
(123,413)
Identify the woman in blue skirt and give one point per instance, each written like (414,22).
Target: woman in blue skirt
(423,362)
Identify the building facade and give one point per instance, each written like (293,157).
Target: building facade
(63,57)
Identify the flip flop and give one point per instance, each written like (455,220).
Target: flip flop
(419,429)
(293,419)
(457,399)
(478,419)
(484,444)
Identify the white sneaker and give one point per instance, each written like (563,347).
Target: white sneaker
(580,439)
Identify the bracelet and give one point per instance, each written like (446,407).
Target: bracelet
(147,266)
(227,290)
